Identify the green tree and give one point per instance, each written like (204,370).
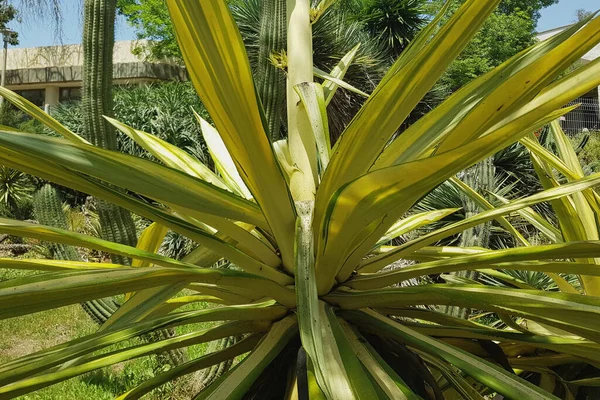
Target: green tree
(7,14)
(582,14)
(151,20)
(393,22)
(531,7)
(510,29)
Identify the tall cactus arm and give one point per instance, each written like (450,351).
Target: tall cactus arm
(270,81)
(481,178)
(98,43)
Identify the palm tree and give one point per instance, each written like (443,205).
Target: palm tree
(392,22)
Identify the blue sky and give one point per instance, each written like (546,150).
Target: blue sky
(563,13)
(40,32)
(35,32)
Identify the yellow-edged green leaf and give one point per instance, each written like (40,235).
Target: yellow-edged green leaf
(240,232)
(572,313)
(53,265)
(522,86)
(338,72)
(338,82)
(41,116)
(144,177)
(583,208)
(375,263)
(141,304)
(486,205)
(197,364)
(31,364)
(388,380)
(172,156)
(220,156)
(392,101)
(53,290)
(454,378)
(150,240)
(92,363)
(217,243)
(239,380)
(415,221)
(68,178)
(63,236)
(562,283)
(512,259)
(487,373)
(362,385)
(384,195)
(219,69)
(575,347)
(424,135)
(535,219)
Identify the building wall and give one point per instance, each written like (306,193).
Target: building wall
(53,68)
(67,55)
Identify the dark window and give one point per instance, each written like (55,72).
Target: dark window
(68,94)
(36,96)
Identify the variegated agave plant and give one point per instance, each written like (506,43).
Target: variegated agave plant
(305,224)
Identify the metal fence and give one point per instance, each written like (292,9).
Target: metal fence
(584,118)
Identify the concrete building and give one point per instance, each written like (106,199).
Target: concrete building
(52,74)
(587,116)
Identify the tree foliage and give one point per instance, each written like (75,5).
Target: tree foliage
(392,22)
(151,20)
(7,14)
(582,13)
(510,29)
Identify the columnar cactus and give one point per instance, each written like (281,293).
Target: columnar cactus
(209,375)
(270,81)
(47,206)
(480,177)
(98,42)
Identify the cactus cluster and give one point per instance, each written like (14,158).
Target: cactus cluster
(209,375)
(480,177)
(47,207)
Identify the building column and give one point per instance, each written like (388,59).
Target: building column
(51,97)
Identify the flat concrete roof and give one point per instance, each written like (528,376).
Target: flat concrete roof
(72,75)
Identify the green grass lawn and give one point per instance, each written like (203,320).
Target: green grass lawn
(30,333)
